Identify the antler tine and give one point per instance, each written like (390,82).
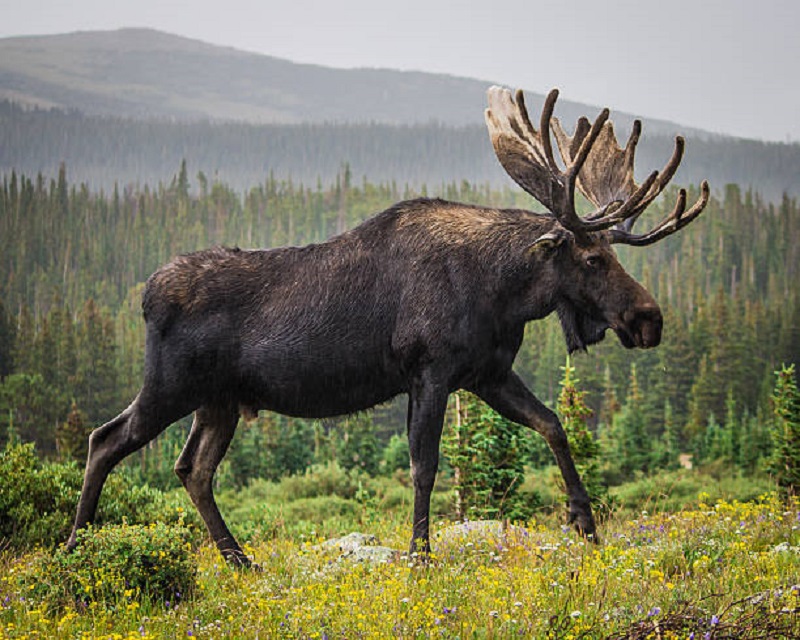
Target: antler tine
(675,221)
(606,177)
(544,124)
(568,215)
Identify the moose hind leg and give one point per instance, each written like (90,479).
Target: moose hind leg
(108,446)
(211,433)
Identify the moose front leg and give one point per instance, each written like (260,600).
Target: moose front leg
(426,408)
(512,399)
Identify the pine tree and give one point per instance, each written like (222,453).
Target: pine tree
(785,460)
(667,450)
(22,354)
(633,448)
(485,453)
(72,436)
(712,446)
(7,336)
(96,377)
(574,414)
(610,404)
(731,431)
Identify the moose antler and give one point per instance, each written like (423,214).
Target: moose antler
(594,162)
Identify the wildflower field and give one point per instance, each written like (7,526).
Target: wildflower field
(723,570)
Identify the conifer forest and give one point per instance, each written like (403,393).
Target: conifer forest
(73,262)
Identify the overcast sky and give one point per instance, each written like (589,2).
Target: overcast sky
(728,66)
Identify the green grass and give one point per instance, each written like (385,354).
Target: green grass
(728,569)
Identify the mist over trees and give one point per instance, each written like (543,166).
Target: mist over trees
(108,151)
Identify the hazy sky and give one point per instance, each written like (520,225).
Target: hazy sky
(724,65)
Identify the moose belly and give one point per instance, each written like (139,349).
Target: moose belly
(318,383)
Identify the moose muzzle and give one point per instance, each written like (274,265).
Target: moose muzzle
(640,326)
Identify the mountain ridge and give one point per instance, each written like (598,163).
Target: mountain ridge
(145,73)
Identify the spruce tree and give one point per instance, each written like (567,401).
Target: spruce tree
(485,452)
(7,335)
(633,448)
(96,376)
(785,460)
(574,414)
(72,436)
(667,448)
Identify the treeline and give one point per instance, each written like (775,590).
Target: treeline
(73,260)
(104,151)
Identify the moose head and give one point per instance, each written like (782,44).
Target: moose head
(597,293)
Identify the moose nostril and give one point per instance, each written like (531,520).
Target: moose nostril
(651,313)
(651,334)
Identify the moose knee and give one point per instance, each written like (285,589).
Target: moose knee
(182,471)
(554,433)
(194,478)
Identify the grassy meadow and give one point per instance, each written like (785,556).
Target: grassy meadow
(714,568)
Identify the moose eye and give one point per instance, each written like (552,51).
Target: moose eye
(594,262)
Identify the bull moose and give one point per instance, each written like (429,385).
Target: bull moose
(424,298)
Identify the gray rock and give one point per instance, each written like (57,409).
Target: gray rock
(349,543)
(359,547)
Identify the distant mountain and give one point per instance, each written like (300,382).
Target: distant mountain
(142,73)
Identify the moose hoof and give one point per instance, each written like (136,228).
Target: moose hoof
(238,560)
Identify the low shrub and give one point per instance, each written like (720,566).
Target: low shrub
(323,480)
(675,490)
(38,500)
(117,565)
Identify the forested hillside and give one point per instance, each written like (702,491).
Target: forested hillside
(73,260)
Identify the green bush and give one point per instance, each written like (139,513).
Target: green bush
(397,497)
(117,564)
(675,490)
(38,500)
(323,480)
(396,455)
(264,520)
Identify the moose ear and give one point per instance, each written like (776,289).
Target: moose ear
(546,243)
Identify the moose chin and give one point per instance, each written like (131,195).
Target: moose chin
(422,299)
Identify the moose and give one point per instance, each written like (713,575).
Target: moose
(423,299)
